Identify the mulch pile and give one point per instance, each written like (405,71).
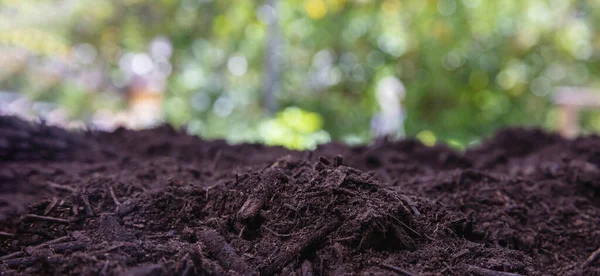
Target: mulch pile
(160,202)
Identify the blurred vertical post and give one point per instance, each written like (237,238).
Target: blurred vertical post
(570,101)
(272,64)
(145,103)
(389,122)
(568,121)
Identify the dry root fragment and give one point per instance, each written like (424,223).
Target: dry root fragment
(399,270)
(338,160)
(45,218)
(260,195)
(594,257)
(23,261)
(294,248)
(486,272)
(216,245)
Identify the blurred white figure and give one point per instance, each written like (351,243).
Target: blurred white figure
(389,122)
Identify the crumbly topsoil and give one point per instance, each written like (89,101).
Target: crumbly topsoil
(160,202)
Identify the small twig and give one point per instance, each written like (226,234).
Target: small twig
(12,255)
(7,235)
(54,241)
(75,209)
(411,204)
(275,233)
(51,206)
(24,261)
(242,232)
(449,268)
(188,269)
(398,270)
(289,206)
(189,265)
(460,254)
(316,194)
(50,243)
(57,186)
(344,239)
(324,160)
(67,247)
(104,268)
(113,248)
(360,180)
(410,229)
(338,160)
(293,249)
(88,207)
(592,258)
(259,196)
(345,191)
(487,272)
(45,218)
(41,245)
(206,190)
(299,172)
(113,196)
(162,235)
(216,245)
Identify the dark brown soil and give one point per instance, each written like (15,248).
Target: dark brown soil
(159,202)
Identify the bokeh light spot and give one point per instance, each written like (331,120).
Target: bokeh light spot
(237,65)
(446,7)
(316,9)
(141,64)
(471,4)
(85,53)
(223,106)
(541,86)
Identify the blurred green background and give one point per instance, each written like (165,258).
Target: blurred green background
(297,73)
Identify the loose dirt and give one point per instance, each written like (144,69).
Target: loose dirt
(160,202)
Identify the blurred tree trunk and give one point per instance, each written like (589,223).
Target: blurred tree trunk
(272,73)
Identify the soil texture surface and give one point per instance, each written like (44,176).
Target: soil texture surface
(161,202)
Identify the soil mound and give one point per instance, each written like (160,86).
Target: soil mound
(24,141)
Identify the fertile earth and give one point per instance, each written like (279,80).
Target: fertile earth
(160,202)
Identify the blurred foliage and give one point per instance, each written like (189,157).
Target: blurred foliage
(469,66)
(294,128)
